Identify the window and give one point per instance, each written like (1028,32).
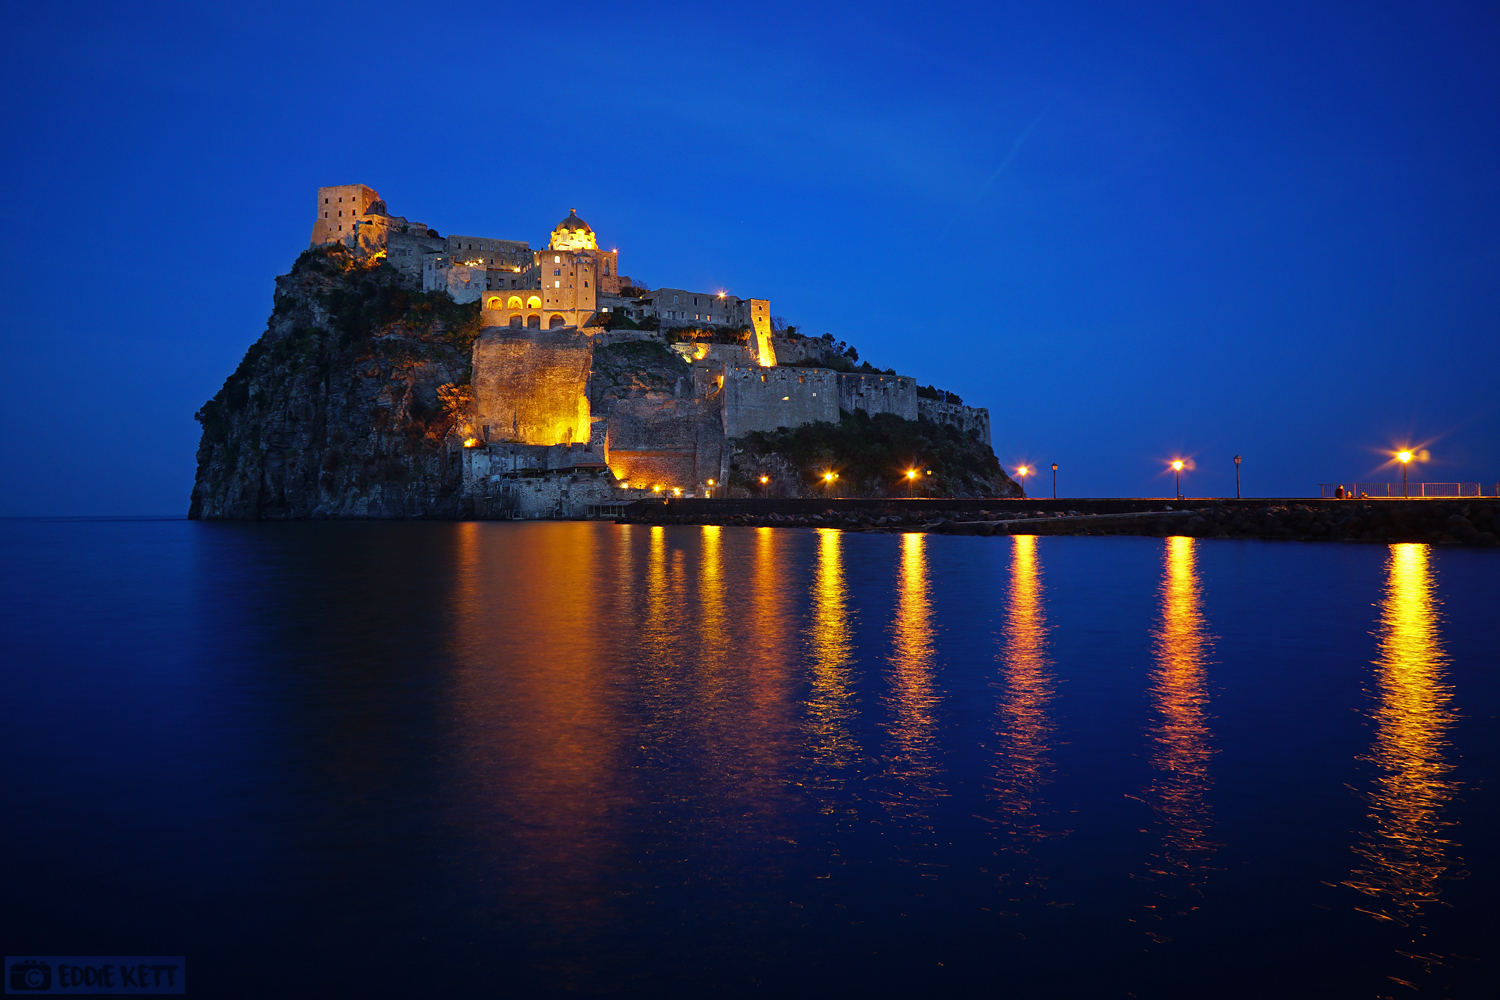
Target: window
(557,284)
(556,271)
(557,260)
(674,300)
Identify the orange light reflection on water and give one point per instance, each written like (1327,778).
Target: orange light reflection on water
(913,698)
(1024,729)
(1404,859)
(1179,700)
(829,700)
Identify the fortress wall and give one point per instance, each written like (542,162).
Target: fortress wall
(764,399)
(879,394)
(407,251)
(802,349)
(550,494)
(462,282)
(529,385)
(964,418)
(489,251)
(665,440)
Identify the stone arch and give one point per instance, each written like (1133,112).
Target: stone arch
(516,319)
(534,321)
(494,302)
(535,302)
(556,321)
(514,303)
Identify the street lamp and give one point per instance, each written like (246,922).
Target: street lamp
(1236,477)
(1404,458)
(1177,468)
(1054,480)
(1022,473)
(911,483)
(828,478)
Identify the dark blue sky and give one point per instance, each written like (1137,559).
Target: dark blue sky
(1198,229)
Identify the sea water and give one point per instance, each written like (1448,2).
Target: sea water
(454,759)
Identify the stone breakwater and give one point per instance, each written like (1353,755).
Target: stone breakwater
(1435,523)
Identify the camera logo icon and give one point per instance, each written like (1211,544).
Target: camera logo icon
(30,976)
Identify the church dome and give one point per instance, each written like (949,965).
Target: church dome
(573,223)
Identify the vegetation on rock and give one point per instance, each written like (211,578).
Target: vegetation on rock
(348,404)
(871,456)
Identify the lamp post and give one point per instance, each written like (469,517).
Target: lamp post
(1022,473)
(1404,458)
(911,483)
(1236,477)
(828,478)
(1177,468)
(1054,480)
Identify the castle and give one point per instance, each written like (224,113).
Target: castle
(569,283)
(542,438)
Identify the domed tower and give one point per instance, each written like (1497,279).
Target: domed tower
(573,233)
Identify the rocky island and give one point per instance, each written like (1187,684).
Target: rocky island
(403,374)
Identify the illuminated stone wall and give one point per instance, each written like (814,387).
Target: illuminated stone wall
(567,296)
(338,208)
(764,399)
(529,385)
(879,394)
(486,251)
(667,441)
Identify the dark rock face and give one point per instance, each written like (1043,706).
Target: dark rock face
(353,403)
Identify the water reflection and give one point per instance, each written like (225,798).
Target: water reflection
(913,698)
(1179,701)
(830,708)
(536,727)
(1404,859)
(1023,727)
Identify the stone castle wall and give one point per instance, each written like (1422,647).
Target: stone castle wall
(764,399)
(529,385)
(879,394)
(666,441)
(965,418)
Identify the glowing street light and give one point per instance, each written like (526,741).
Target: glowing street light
(911,483)
(1404,457)
(1022,473)
(828,478)
(1054,480)
(1177,468)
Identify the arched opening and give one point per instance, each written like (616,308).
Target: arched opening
(534,321)
(516,321)
(535,302)
(494,302)
(514,303)
(555,322)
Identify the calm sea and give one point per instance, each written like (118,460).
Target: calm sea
(346,759)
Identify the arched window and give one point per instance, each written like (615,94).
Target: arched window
(514,303)
(534,321)
(516,320)
(494,302)
(555,322)
(535,302)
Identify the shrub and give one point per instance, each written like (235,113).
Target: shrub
(872,453)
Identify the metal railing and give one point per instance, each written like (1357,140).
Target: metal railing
(1395,490)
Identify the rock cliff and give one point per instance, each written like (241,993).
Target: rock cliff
(351,404)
